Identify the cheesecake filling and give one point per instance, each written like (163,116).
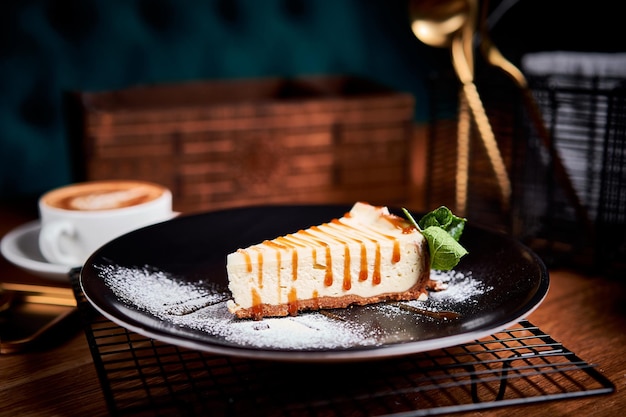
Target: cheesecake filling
(368,255)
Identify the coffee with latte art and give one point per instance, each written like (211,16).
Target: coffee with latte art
(79,218)
(103,195)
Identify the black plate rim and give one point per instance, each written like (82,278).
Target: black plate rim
(357,354)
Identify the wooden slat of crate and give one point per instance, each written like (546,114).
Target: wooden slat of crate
(217,150)
(108,110)
(108,134)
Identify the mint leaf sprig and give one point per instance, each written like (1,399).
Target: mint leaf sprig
(442,230)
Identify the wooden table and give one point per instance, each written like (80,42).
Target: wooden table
(585,313)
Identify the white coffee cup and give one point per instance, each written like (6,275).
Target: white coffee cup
(78,219)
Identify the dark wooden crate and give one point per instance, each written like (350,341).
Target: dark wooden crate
(220,144)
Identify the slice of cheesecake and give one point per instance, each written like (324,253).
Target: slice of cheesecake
(366,256)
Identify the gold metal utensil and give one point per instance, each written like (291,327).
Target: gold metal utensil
(41,294)
(435,23)
(452,23)
(35,317)
(6,298)
(464,127)
(466,77)
(464,123)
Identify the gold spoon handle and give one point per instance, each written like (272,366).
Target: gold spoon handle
(489,140)
(464,124)
(462,156)
(482,121)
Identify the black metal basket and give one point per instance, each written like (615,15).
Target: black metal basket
(140,376)
(586,119)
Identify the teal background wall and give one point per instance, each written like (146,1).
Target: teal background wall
(48,47)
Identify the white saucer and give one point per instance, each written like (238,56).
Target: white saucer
(21,247)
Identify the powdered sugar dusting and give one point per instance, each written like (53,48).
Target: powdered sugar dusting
(461,288)
(201,306)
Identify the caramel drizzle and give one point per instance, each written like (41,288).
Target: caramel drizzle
(376,276)
(371,236)
(294,265)
(335,226)
(278,269)
(260,271)
(316,297)
(338,231)
(293,302)
(288,244)
(347,278)
(363,268)
(328,274)
(347,274)
(395,258)
(257,305)
(247,258)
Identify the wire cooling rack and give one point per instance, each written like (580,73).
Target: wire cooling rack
(145,377)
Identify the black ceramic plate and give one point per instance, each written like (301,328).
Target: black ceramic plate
(168,282)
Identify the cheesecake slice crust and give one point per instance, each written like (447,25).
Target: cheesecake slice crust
(367,256)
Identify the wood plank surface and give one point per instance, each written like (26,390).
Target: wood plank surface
(587,314)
